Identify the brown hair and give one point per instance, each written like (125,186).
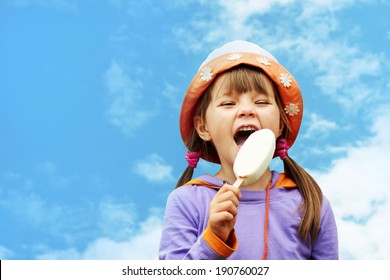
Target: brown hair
(242,79)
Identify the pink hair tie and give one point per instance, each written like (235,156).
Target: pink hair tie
(282,148)
(192,158)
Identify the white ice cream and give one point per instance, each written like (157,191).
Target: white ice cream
(254,156)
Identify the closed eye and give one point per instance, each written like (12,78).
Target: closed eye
(262,102)
(227,103)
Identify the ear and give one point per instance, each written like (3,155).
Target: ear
(201,128)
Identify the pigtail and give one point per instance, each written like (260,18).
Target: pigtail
(185,177)
(312,199)
(308,187)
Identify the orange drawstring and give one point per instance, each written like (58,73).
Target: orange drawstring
(266,221)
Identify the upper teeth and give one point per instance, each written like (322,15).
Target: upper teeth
(246,128)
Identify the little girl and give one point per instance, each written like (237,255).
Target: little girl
(241,88)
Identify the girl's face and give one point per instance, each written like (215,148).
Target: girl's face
(231,116)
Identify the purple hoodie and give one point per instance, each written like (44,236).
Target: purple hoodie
(186,219)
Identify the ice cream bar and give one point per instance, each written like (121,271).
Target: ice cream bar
(254,157)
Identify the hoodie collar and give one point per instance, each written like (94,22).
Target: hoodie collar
(278,180)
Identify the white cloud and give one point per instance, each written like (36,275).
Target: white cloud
(359,190)
(126,110)
(341,70)
(205,30)
(142,245)
(26,204)
(23,198)
(67,254)
(116,219)
(319,127)
(244,9)
(154,169)
(312,7)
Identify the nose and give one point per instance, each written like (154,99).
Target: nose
(246,111)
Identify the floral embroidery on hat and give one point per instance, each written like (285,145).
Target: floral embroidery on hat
(263,60)
(285,79)
(234,56)
(206,74)
(291,109)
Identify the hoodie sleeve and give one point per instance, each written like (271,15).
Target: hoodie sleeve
(182,235)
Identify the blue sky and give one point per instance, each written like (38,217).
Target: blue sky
(90,98)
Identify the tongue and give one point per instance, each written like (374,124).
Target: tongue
(241,136)
(241,140)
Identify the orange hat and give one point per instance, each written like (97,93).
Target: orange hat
(239,53)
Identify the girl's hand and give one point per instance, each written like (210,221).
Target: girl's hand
(223,211)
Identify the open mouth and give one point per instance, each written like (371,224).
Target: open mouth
(242,134)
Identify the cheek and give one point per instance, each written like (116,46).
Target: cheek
(214,129)
(214,120)
(273,122)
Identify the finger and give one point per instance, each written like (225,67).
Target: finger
(227,196)
(221,218)
(225,206)
(227,188)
